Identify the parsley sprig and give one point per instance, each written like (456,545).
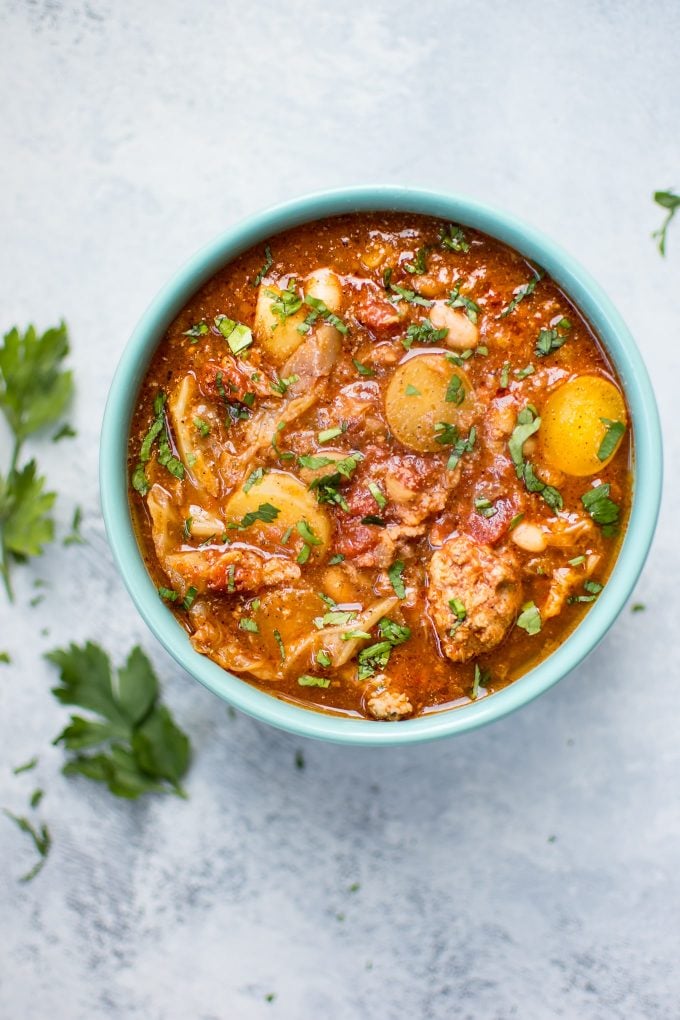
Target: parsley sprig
(669,201)
(138,748)
(34,392)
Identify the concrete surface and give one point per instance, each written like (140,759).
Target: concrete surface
(529,870)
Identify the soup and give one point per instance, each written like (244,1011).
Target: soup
(379,466)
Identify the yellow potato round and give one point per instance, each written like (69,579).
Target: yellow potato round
(416,401)
(571,424)
(293,501)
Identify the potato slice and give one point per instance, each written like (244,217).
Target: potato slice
(282,339)
(293,501)
(572,426)
(195,451)
(416,400)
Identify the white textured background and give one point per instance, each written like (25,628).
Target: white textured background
(130,133)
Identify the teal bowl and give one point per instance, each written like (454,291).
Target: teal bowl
(613,335)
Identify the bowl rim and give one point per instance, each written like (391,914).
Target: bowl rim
(588,297)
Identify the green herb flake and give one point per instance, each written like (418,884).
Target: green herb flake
(577,561)
(520,293)
(603,510)
(455,391)
(266,266)
(254,478)
(231,584)
(41,838)
(611,439)
(65,432)
(396,576)
(265,513)
(638,607)
(202,427)
(363,369)
(338,558)
(373,519)
(196,331)
(517,519)
(168,595)
(238,336)
(327,435)
(323,658)
(36,798)
(530,618)
(550,340)
(75,537)
(313,681)
(358,635)
(419,265)
(190,597)
(282,647)
(5,658)
(375,657)
(458,300)
(481,680)
(423,332)
(411,391)
(186,530)
(505,376)
(247,623)
(524,373)
(452,237)
(377,494)
(485,507)
(410,296)
(320,310)
(27,766)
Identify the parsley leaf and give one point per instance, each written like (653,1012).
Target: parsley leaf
(423,332)
(451,236)
(266,266)
(458,300)
(603,510)
(313,681)
(286,302)
(75,538)
(141,748)
(530,618)
(396,576)
(615,429)
(419,265)
(265,513)
(362,369)
(527,424)
(320,310)
(375,657)
(410,296)
(238,336)
(520,293)
(550,340)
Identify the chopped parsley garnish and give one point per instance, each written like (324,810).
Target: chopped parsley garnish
(281,454)
(238,336)
(530,618)
(593,588)
(254,478)
(375,657)
(603,510)
(485,507)
(356,635)
(65,432)
(577,561)
(615,429)
(481,679)
(247,623)
(266,266)
(186,530)
(27,766)
(524,373)
(362,369)
(190,597)
(527,424)
(396,576)
(327,435)
(451,237)
(378,522)
(671,202)
(196,331)
(448,435)
(231,572)
(313,463)
(455,391)
(310,539)
(520,293)
(505,376)
(5,658)
(550,340)
(137,746)
(283,384)
(377,494)
(423,332)
(410,296)
(75,537)
(459,611)
(158,432)
(517,519)
(323,658)
(411,391)
(458,300)
(419,264)
(338,558)
(313,681)
(285,303)
(638,607)
(327,486)
(334,618)
(168,595)
(201,427)
(320,310)
(282,647)
(265,513)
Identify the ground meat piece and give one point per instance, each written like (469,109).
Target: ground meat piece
(374,312)
(231,380)
(382,702)
(486,582)
(234,569)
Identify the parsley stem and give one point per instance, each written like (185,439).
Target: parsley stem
(4,557)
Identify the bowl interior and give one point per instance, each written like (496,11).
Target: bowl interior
(614,337)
